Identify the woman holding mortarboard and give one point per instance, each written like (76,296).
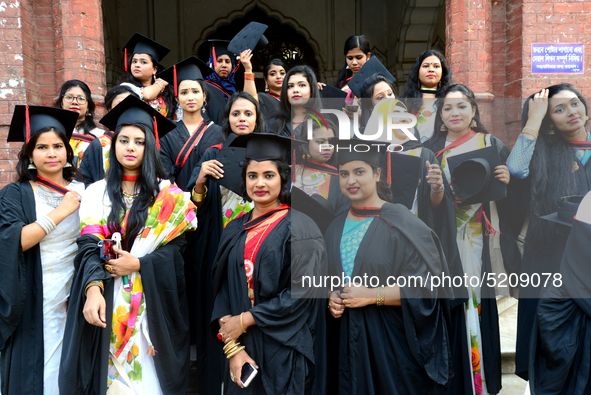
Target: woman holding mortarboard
(462,136)
(142,62)
(551,156)
(127,325)
(391,339)
(263,313)
(427,80)
(39,224)
(96,160)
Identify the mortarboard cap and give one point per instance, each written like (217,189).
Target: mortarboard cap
(472,176)
(357,149)
(191,68)
(133,111)
(316,207)
(233,160)
(567,209)
(142,44)
(39,117)
(266,146)
(251,37)
(332,97)
(404,176)
(371,67)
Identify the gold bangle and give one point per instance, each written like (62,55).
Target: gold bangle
(381,296)
(231,350)
(198,197)
(96,283)
(229,344)
(241,325)
(529,131)
(235,352)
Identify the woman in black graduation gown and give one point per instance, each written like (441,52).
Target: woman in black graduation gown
(39,225)
(551,157)
(217,206)
(262,312)
(391,339)
(300,90)
(459,130)
(96,157)
(560,351)
(314,170)
(182,149)
(127,320)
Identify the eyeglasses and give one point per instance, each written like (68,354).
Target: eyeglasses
(79,99)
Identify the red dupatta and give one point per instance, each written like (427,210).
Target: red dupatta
(254,238)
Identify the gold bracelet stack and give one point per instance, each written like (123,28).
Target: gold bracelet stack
(529,132)
(96,283)
(198,197)
(232,348)
(381,296)
(249,76)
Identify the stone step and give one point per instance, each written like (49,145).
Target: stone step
(513,385)
(508,332)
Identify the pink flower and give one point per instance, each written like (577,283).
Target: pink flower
(478,383)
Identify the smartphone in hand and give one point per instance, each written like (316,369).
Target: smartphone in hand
(248,373)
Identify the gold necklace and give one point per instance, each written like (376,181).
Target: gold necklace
(130,195)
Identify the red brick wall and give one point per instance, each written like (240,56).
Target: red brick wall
(44,43)
(497,36)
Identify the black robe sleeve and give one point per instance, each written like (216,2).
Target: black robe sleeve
(21,296)
(92,167)
(85,352)
(216,103)
(269,105)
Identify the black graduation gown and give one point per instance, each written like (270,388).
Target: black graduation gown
(391,349)
(270,105)
(21,296)
(489,317)
(216,103)
(443,222)
(85,352)
(560,348)
(173,143)
(278,125)
(282,342)
(92,165)
(541,258)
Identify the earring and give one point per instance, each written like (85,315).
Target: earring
(439,85)
(551,129)
(347,67)
(443,128)
(266,87)
(473,124)
(31,165)
(68,164)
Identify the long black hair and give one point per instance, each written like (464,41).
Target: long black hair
(550,171)
(367,93)
(284,116)
(284,172)
(260,126)
(88,124)
(469,95)
(22,167)
(167,94)
(116,91)
(412,89)
(355,41)
(147,183)
(384,191)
